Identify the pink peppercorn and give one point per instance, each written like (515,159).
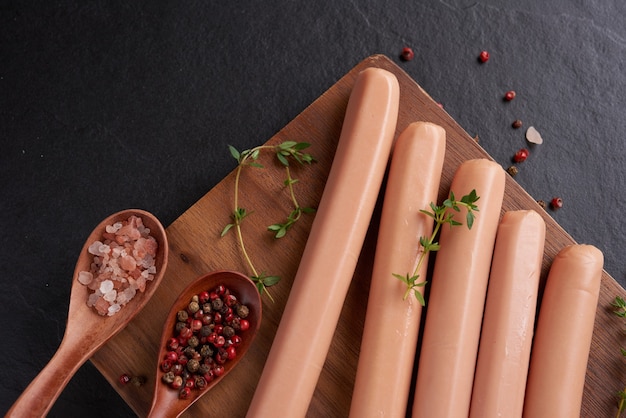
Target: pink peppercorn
(407,53)
(509,95)
(556,203)
(521,155)
(484,56)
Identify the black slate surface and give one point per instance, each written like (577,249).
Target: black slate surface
(111,105)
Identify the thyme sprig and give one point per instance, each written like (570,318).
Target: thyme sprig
(442,214)
(620,310)
(284,152)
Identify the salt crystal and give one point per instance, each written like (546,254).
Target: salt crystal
(114,228)
(110,295)
(113,309)
(104,249)
(106,286)
(91,300)
(85,277)
(121,298)
(533,136)
(95,248)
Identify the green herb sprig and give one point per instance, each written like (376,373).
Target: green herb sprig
(442,214)
(620,310)
(284,152)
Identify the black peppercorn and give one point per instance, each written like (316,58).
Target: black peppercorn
(207,308)
(236,323)
(217,304)
(512,170)
(206,351)
(193,365)
(193,307)
(193,341)
(243,311)
(189,352)
(228,331)
(200,382)
(179,326)
(204,368)
(139,380)
(182,316)
(206,330)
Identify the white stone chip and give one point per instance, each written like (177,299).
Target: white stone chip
(533,136)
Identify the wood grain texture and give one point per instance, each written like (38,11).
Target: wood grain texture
(196,248)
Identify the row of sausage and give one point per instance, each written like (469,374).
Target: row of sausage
(483,351)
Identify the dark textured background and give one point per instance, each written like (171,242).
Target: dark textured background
(111,105)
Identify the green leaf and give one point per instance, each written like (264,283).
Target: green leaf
(234,152)
(419,297)
(431,246)
(403,279)
(226,229)
(469,219)
(287,145)
(282,159)
(269,281)
(260,287)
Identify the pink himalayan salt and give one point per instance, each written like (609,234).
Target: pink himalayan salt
(122,265)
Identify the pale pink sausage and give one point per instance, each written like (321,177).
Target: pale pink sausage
(458,288)
(560,351)
(509,318)
(329,259)
(383,376)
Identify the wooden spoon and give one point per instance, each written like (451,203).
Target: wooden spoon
(166,402)
(86,331)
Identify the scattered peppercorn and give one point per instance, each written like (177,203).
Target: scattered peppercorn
(137,381)
(517,124)
(521,155)
(476,138)
(483,56)
(512,170)
(124,379)
(556,203)
(407,54)
(509,95)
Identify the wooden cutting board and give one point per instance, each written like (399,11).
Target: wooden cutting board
(196,248)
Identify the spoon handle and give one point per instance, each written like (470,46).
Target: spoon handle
(38,398)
